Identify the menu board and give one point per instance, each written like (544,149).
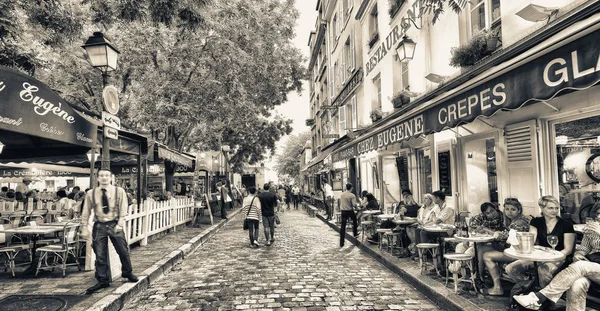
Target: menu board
(402,165)
(444,172)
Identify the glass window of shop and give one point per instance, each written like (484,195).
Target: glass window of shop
(482,181)
(391,180)
(578,162)
(424,170)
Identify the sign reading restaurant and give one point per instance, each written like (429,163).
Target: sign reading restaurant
(575,65)
(388,45)
(30,107)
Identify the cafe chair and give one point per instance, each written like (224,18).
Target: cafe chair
(367,226)
(381,233)
(11,251)
(432,250)
(60,252)
(394,241)
(455,263)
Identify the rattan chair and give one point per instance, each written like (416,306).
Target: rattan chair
(60,252)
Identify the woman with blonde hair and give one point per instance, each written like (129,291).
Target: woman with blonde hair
(425,216)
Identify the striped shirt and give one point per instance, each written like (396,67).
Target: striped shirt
(255,210)
(590,243)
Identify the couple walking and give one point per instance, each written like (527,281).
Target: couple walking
(260,207)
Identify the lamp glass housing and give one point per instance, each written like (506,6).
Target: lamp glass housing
(406,49)
(89,155)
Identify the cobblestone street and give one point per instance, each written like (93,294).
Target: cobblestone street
(304,269)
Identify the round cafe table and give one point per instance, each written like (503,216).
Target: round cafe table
(539,254)
(405,222)
(438,230)
(476,240)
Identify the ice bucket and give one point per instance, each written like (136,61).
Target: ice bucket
(526,241)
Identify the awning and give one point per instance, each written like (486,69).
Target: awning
(29,107)
(561,69)
(177,157)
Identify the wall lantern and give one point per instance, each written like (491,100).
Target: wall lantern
(406,49)
(101,53)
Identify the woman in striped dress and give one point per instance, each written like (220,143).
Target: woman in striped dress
(252,210)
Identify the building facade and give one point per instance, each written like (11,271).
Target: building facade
(515,115)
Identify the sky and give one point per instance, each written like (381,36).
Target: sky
(297,106)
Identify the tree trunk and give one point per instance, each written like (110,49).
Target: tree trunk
(169,173)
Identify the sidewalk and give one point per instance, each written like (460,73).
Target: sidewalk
(149,264)
(429,284)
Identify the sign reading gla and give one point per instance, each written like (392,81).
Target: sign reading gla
(561,70)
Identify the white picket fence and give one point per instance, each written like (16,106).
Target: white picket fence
(155,217)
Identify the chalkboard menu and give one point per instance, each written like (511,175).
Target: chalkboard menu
(444,170)
(402,165)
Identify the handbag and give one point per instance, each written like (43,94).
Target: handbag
(247,221)
(277,221)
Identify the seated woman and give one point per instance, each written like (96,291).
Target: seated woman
(408,206)
(370,203)
(575,279)
(488,222)
(548,224)
(425,216)
(513,219)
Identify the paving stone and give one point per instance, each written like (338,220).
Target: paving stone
(304,270)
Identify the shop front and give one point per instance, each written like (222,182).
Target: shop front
(524,128)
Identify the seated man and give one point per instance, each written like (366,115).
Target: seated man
(576,278)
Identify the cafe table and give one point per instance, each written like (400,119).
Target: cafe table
(34,232)
(438,230)
(370,213)
(539,254)
(476,239)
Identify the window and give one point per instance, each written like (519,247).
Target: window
(334,79)
(424,168)
(342,118)
(485,14)
(349,54)
(377,85)
(334,28)
(347,7)
(353,120)
(373,23)
(405,83)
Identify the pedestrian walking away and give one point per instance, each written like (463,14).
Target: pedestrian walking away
(268,203)
(253,215)
(295,196)
(109,222)
(347,202)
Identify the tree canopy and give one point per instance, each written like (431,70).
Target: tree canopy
(196,74)
(287,163)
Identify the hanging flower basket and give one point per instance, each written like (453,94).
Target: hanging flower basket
(376,114)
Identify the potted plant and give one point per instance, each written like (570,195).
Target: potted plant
(395,7)
(470,52)
(376,114)
(400,100)
(492,39)
(373,40)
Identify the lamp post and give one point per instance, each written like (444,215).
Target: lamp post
(102,55)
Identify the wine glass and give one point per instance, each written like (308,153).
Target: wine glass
(553,241)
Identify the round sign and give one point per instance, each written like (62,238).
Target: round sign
(110,99)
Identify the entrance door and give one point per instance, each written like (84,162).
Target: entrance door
(481,182)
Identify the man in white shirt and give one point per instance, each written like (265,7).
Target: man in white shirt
(22,188)
(295,196)
(327,196)
(109,204)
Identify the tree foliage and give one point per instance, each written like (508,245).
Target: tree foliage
(287,163)
(437,7)
(196,74)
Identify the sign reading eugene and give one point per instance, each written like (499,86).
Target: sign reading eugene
(30,107)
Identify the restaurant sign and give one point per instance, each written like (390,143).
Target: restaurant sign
(573,66)
(167,154)
(34,172)
(30,107)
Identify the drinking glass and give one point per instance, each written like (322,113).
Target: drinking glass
(553,241)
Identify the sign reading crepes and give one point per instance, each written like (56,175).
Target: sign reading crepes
(573,66)
(30,107)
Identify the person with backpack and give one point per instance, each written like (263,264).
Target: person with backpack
(109,204)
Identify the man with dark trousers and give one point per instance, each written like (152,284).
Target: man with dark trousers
(268,203)
(109,204)
(347,202)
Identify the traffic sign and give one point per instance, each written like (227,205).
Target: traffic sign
(111,133)
(110,99)
(111,120)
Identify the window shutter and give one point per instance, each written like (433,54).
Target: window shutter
(343,67)
(522,158)
(352,53)
(354,123)
(342,116)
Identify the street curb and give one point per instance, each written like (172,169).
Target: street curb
(450,300)
(124,293)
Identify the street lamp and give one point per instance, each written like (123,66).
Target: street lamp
(406,49)
(102,55)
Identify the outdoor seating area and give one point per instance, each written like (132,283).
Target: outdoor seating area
(36,240)
(451,257)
